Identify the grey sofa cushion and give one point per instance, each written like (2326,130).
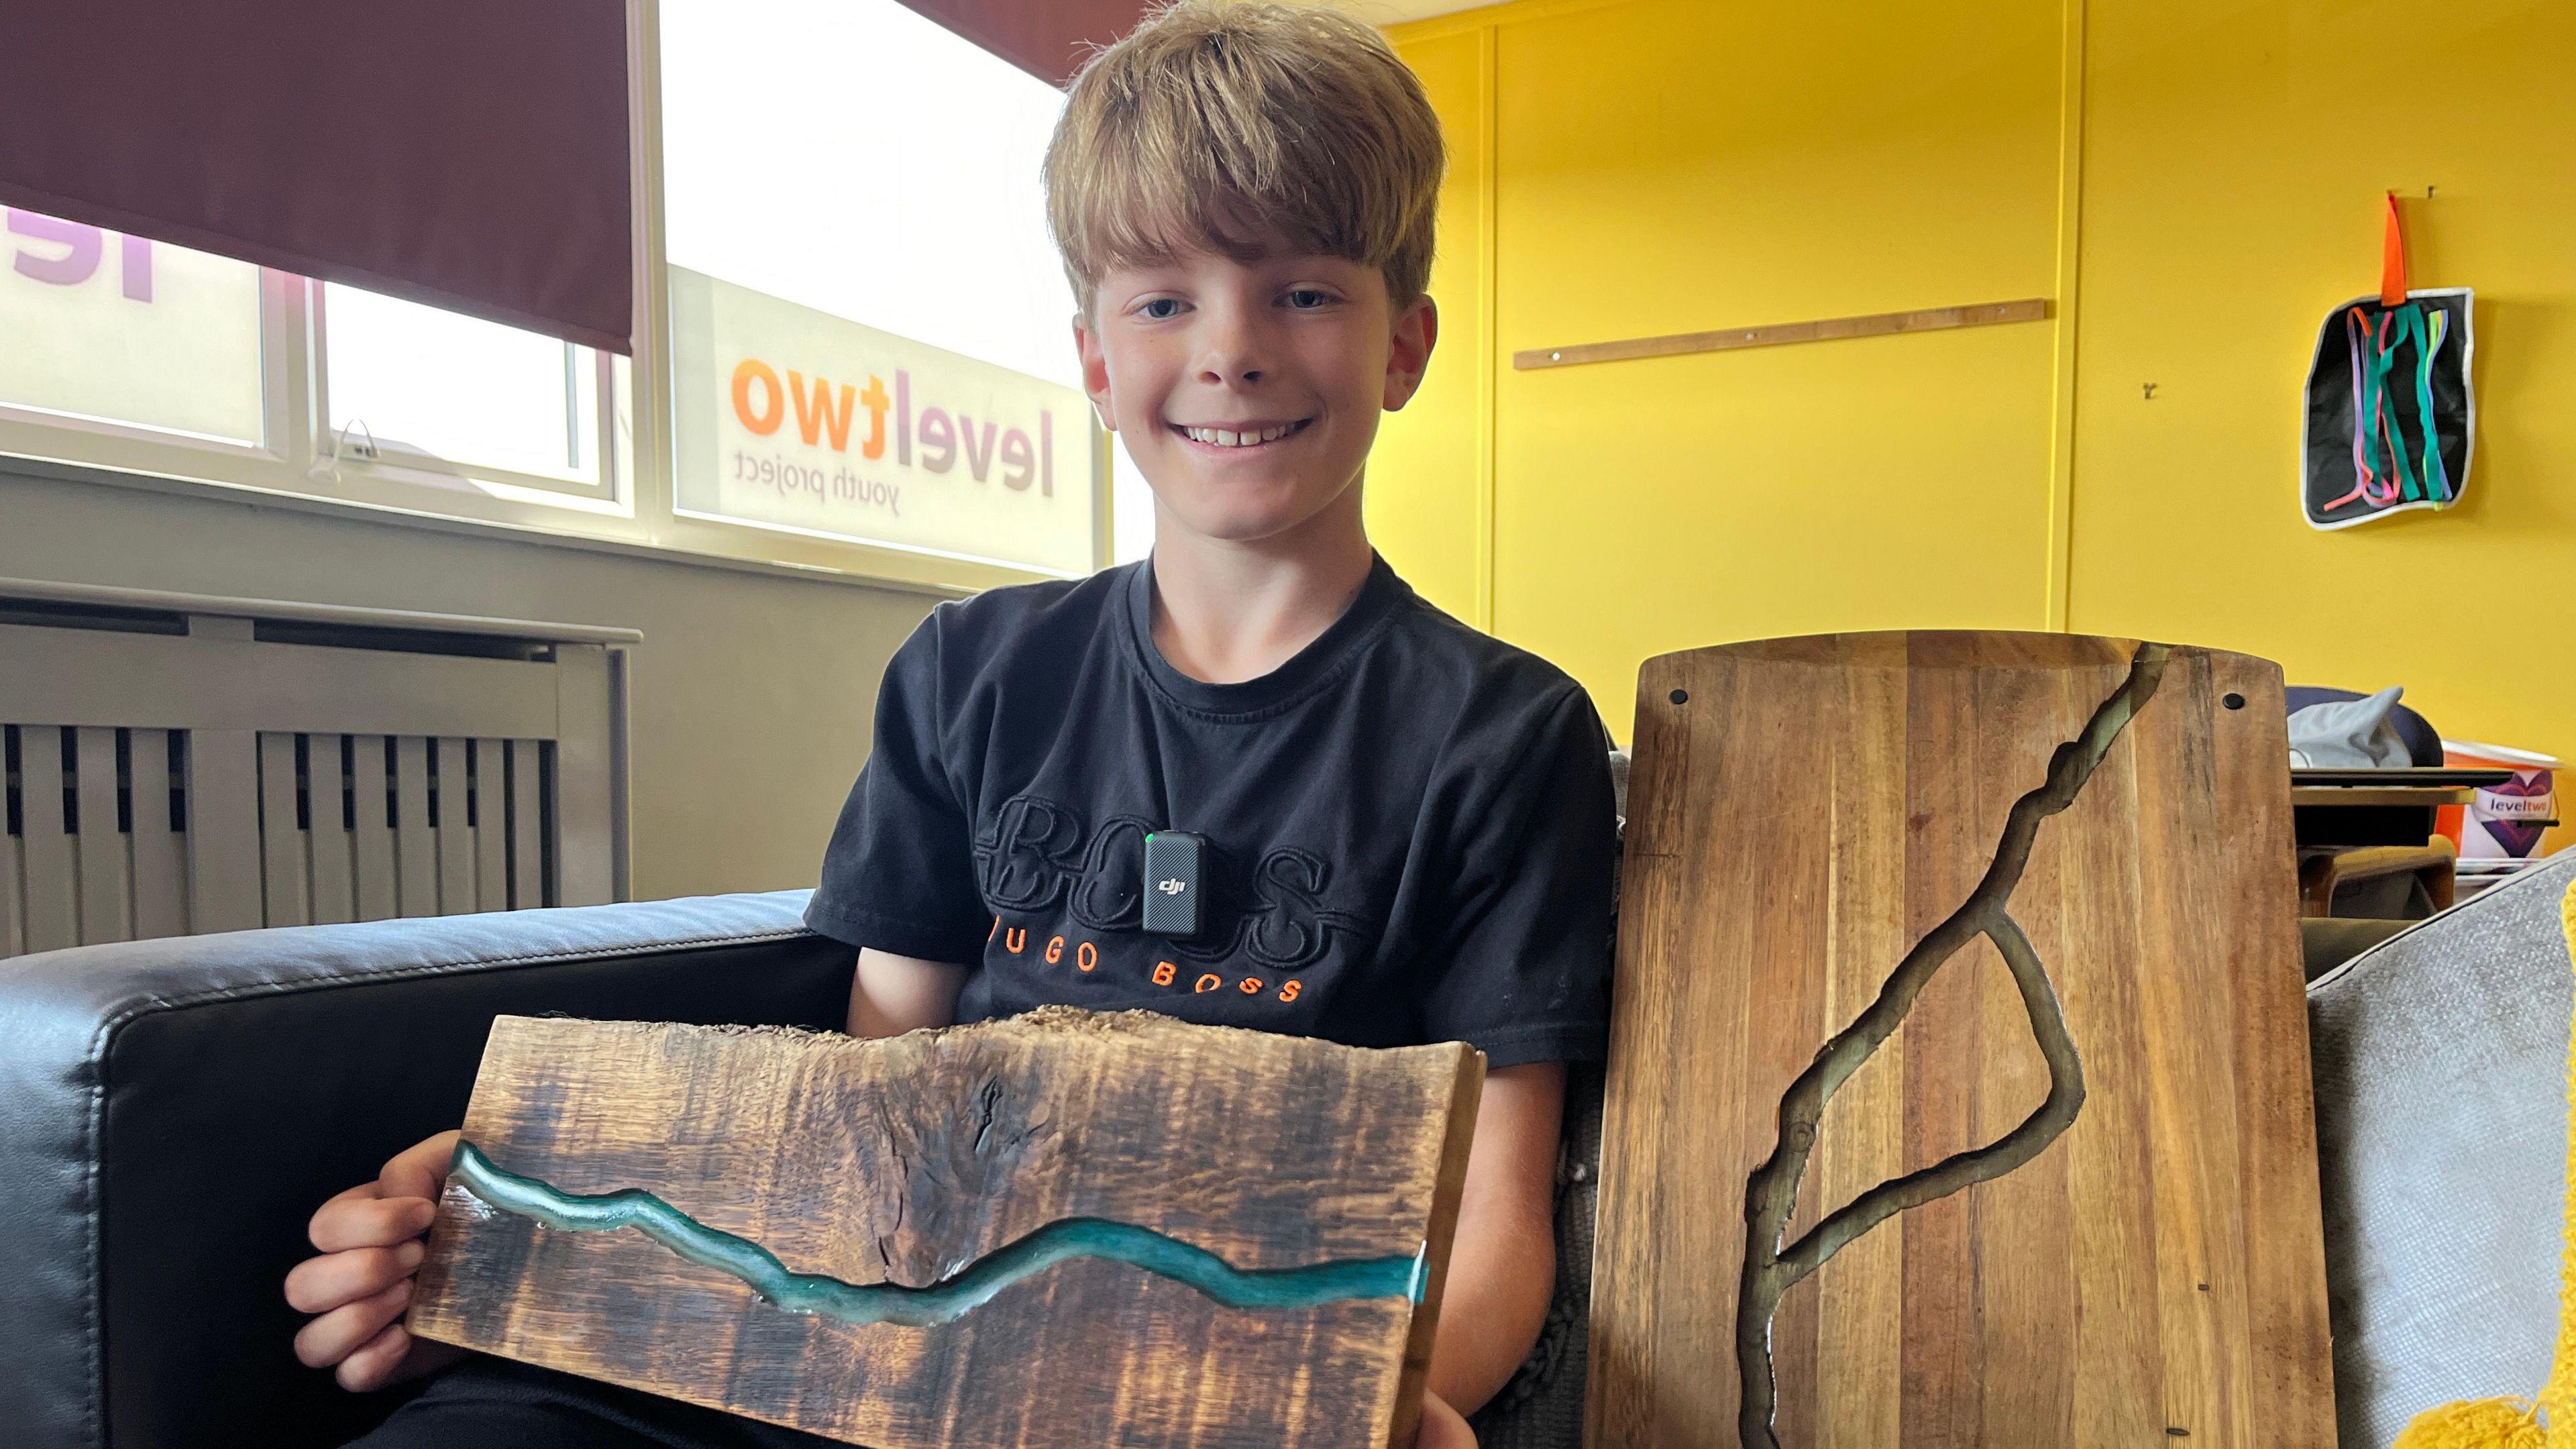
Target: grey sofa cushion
(2441,1075)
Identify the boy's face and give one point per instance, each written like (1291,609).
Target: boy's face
(1249,392)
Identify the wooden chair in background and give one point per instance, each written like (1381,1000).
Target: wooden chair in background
(2428,870)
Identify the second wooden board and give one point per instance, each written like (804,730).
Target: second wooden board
(1959,1080)
(1060,1229)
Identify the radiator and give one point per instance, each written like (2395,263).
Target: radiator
(180,764)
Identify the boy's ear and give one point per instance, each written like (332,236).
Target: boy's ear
(1417,328)
(1095,370)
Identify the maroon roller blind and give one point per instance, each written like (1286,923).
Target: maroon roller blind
(1047,38)
(470,154)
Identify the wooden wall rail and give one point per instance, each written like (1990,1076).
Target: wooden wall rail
(1729,339)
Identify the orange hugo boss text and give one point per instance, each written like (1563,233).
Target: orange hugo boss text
(1084,956)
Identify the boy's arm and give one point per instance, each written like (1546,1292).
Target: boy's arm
(368,1238)
(1502,1264)
(892,994)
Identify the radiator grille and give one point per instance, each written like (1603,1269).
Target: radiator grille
(100,840)
(181,764)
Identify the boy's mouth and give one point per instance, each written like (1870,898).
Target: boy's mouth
(1242,437)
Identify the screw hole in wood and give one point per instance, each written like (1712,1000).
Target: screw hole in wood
(2233,701)
(1681,696)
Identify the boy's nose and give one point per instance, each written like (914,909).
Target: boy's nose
(1231,353)
(1229,368)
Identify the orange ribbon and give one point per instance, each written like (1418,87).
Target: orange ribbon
(2392,260)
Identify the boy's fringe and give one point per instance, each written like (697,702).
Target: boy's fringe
(1214,126)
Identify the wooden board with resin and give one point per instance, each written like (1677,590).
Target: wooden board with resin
(1959,1081)
(1059,1229)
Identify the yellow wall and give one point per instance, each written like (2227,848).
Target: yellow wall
(1427,491)
(2232,175)
(1633,167)
(1624,169)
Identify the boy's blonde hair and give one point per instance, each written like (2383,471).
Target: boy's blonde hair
(1213,121)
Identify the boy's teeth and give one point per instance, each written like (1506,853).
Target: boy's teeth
(1228,438)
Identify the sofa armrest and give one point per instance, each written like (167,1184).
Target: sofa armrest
(172,1111)
(2441,1059)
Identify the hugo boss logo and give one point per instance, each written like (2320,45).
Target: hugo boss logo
(1084,956)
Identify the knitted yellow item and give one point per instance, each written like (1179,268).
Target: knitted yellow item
(2512,1423)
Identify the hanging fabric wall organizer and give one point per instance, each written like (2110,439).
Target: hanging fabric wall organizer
(2389,415)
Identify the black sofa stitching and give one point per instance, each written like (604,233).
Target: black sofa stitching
(94,1407)
(94,1403)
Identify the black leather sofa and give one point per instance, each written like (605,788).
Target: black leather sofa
(171,1113)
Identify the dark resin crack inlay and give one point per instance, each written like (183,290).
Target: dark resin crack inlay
(953,1296)
(1771,1193)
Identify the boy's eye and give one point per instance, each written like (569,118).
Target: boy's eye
(1308,298)
(1160,308)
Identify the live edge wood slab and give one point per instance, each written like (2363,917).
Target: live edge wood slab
(1959,1081)
(1061,1229)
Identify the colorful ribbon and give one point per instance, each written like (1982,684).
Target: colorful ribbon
(2376,431)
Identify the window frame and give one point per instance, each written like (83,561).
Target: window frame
(633,508)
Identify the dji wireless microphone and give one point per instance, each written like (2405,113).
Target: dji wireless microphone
(1172,886)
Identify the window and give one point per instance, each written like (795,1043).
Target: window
(870,333)
(854,353)
(415,385)
(135,356)
(889,174)
(101,328)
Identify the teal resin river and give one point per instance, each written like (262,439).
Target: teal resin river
(953,1296)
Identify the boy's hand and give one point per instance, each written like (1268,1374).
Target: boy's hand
(1442,1426)
(371,1242)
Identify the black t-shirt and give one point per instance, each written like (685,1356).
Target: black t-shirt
(1408,826)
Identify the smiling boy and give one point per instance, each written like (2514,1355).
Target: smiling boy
(1406,825)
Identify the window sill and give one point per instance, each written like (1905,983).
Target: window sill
(668,539)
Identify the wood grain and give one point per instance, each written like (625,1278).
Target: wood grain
(907,1160)
(1803,813)
(1778,334)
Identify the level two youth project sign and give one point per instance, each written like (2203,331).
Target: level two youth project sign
(794,418)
